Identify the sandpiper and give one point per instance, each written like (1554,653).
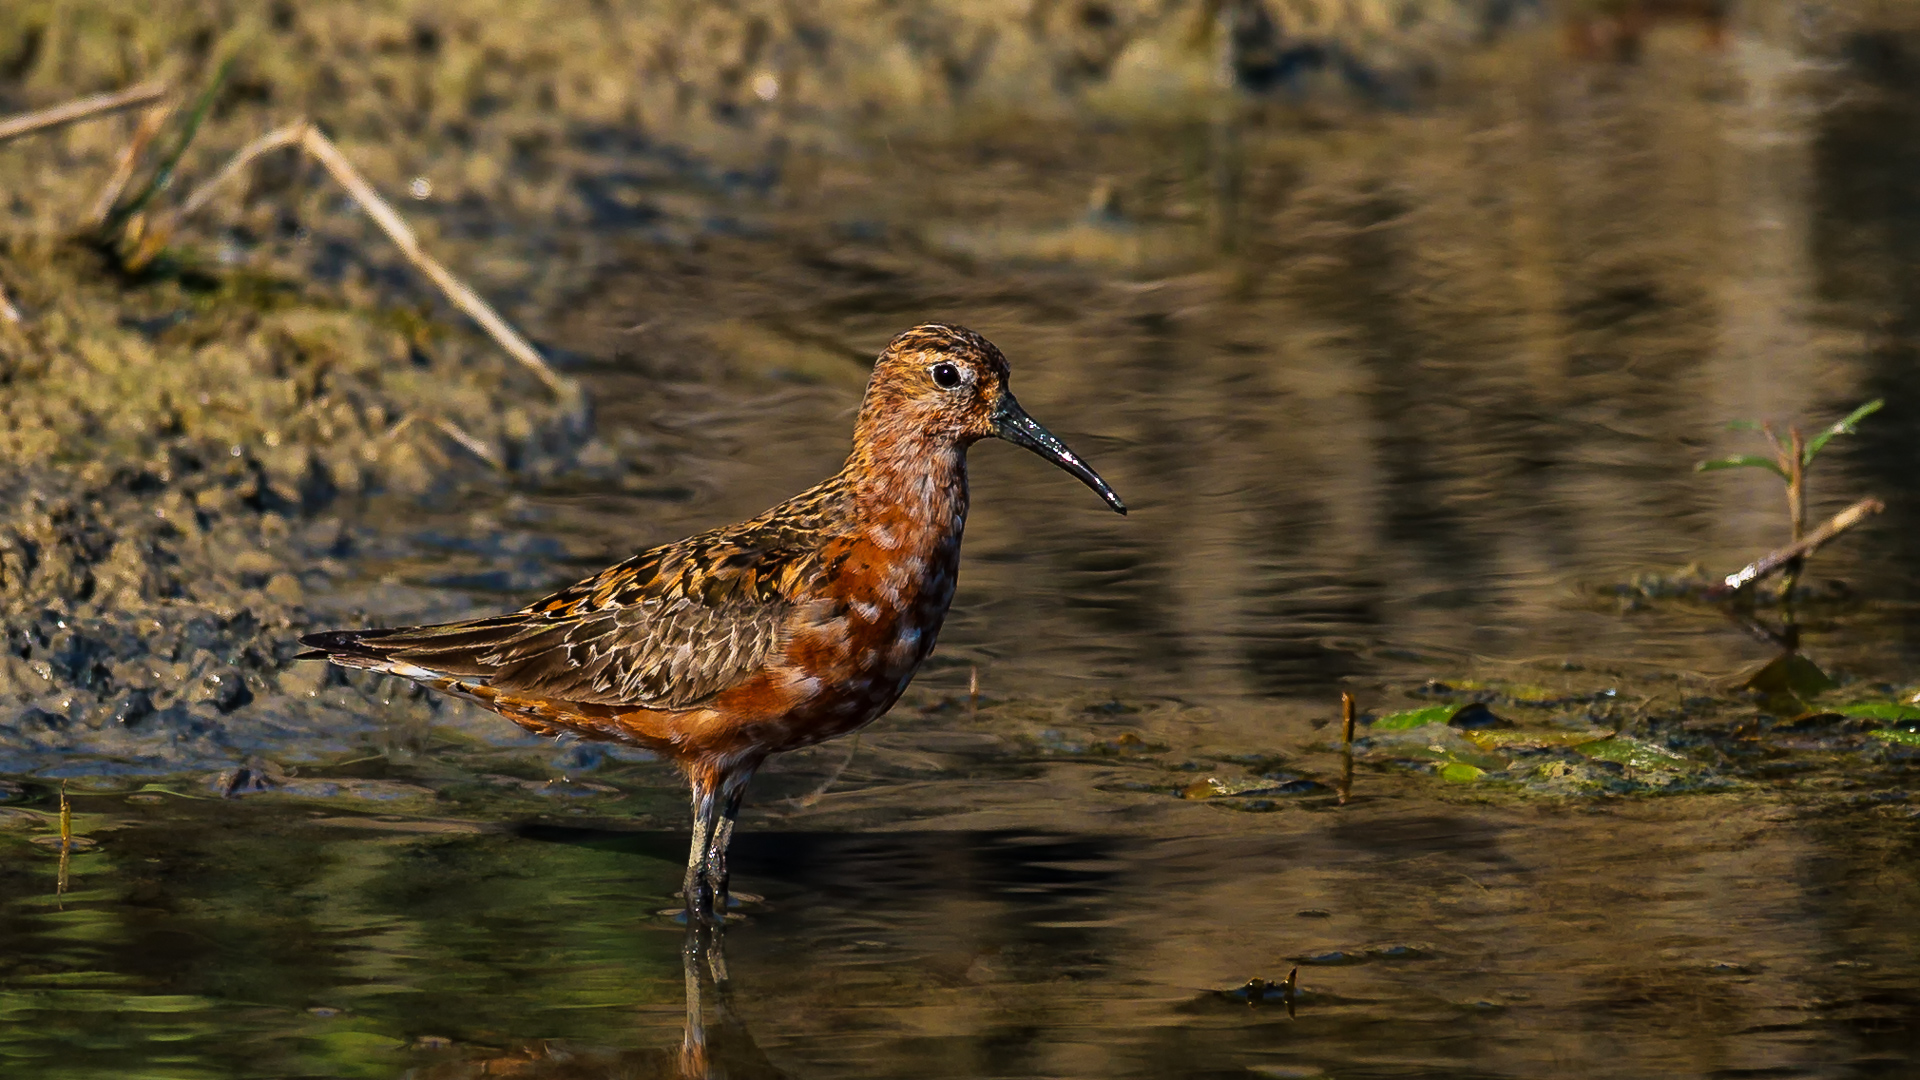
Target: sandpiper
(796,626)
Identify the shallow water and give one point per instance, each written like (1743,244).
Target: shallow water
(1402,403)
(1720,936)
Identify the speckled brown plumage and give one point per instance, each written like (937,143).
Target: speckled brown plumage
(793,627)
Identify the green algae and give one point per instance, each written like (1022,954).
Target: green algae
(1415,718)
(1881,710)
(1634,754)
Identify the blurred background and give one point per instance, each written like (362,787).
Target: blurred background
(1399,324)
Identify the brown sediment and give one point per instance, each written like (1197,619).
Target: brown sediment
(79,109)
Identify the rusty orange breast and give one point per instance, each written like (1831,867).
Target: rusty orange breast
(853,646)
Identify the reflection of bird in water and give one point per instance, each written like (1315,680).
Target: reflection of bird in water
(715,1044)
(801,624)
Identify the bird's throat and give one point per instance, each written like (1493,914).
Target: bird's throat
(917,488)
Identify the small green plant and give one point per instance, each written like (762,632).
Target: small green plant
(1792,456)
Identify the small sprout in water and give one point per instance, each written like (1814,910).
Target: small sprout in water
(1781,464)
(1791,458)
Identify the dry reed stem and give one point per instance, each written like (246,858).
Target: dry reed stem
(288,135)
(1775,561)
(462,297)
(474,446)
(79,109)
(150,124)
(453,431)
(303,134)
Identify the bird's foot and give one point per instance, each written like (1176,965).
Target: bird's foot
(705,905)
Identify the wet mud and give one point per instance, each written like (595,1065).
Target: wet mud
(188,461)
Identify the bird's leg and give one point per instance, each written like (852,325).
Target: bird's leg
(731,791)
(708,805)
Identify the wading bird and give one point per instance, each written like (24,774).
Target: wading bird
(779,632)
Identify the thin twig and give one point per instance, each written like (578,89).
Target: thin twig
(1346,718)
(1775,561)
(462,297)
(79,109)
(399,426)
(474,446)
(308,138)
(453,431)
(150,124)
(288,135)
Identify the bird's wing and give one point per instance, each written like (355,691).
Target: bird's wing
(665,629)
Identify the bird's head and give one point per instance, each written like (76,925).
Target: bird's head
(940,386)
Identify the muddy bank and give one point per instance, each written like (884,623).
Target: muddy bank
(186,458)
(497,74)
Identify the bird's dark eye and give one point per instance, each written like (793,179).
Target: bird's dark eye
(946,376)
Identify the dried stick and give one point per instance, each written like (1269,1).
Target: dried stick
(463,298)
(143,134)
(304,135)
(452,431)
(79,109)
(1775,561)
(474,446)
(289,135)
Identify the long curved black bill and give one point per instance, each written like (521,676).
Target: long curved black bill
(1012,423)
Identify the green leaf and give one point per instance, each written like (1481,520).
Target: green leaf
(1461,773)
(1416,718)
(1880,710)
(1841,427)
(1895,735)
(1495,739)
(1741,461)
